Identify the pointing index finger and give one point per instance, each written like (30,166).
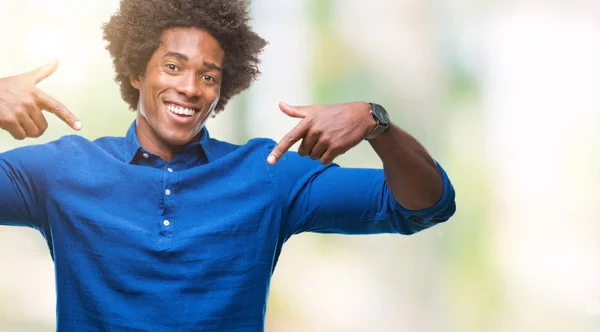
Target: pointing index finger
(57,108)
(287,141)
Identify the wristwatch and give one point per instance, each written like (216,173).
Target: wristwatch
(381,117)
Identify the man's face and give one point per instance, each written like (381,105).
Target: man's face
(180,87)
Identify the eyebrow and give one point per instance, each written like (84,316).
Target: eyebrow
(185,58)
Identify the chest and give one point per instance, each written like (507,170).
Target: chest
(163,213)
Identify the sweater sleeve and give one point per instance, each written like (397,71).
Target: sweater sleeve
(25,177)
(332,199)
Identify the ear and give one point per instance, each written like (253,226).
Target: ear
(135,81)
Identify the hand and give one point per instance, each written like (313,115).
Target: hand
(326,131)
(21,104)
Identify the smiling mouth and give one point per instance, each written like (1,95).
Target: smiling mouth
(181,110)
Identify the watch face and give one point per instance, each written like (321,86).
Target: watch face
(381,114)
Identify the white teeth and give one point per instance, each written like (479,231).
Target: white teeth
(181,110)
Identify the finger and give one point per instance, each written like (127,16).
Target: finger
(307,144)
(39,120)
(333,151)
(30,128)
(40,73)
(287,141)
(57,108)
(328,157)
(294,111)
(17,131)
(318,150)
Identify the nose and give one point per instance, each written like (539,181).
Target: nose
(188,86)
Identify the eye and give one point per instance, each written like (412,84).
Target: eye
(209,78)
(172,67)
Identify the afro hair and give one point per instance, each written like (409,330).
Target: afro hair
(135,32)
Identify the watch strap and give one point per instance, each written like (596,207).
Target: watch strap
(376,132)
(381,125)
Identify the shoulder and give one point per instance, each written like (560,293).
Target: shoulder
(49,150)
(291,164)
(114,146)
(63,147)
(75,144)
(38,161)
(255,152)
(254,143)
(257,146)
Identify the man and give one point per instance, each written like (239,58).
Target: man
(167,229)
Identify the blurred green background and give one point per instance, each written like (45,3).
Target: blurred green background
(504,94)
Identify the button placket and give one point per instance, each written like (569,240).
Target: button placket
(166,222)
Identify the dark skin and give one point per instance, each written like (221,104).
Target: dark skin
(21,104)
(186,71)
(327,131)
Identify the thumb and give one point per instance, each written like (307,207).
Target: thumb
(293,111)
(40,73)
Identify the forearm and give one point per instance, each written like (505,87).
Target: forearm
(328,131)
(411,174)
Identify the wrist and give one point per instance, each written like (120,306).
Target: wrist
(370,121)
(381,118)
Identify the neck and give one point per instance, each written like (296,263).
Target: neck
(151,143)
